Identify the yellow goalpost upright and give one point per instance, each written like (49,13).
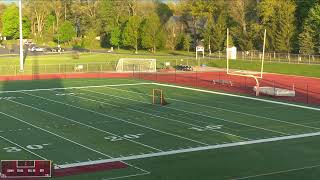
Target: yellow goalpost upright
(239,73)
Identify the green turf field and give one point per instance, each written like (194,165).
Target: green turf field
(199,135)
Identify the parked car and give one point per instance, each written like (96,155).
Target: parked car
(28,43)
(184,68)
(57,49)
(37,49)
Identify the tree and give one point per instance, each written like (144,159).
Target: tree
(306,41)
(66,32)
(38,10)
(10,23)
(90,39)
(219,33)
(131,32)
(186,42)
(115,38)
(164,12)
(150,32)
(2,9)
(313,23)
(286,26)
(278,18)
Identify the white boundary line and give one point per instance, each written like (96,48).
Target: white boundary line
(134,175)
(54,134)
(211,117)
(239,96)
(213,107)
(83,124)
(86,147)
(119,119)
(277,172)
(78,87)
(21,147)
(204,148)
(158,116)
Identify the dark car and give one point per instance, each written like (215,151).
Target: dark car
(57,49)
(184,68)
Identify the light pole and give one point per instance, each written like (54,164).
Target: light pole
(21,36)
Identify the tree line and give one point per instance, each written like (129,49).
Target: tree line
(292,25)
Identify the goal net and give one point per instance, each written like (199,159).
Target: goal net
(136,64)
(158,97)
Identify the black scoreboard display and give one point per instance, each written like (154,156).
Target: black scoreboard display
(25,169)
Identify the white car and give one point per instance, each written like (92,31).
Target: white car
(36,49)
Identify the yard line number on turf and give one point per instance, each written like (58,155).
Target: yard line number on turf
(124,137)
(206,128)
(14,149)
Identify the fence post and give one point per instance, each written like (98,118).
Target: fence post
(307,93)
(196,78)
(175,75)
(59,68)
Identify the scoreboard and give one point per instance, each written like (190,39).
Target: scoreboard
(25,168)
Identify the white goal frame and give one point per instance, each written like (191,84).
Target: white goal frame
(255,77)
(151,68)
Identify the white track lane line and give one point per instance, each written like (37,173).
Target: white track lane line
(119,119)
(83,124)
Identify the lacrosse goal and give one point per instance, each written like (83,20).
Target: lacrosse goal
(158,97)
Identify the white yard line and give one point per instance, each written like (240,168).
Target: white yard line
(128,176)
(83,124)
(79,87)
(170,119)
(239,96)
(119,119)
(278,172)
(83,146)
(197,149)
(11,142)
(228,110)
(221,119)
(147,127)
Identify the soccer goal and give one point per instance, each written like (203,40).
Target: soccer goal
(136,64)
(244,73)
(158,97)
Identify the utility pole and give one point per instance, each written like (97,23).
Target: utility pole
(21,36)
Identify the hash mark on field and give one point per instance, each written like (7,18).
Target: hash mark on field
(119,119)
(83,124)
(158,116)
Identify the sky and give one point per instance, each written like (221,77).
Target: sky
(8,1)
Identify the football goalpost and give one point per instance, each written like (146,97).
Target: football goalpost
(241,73)
(136,64)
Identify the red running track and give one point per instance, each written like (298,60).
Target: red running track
(307,88)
